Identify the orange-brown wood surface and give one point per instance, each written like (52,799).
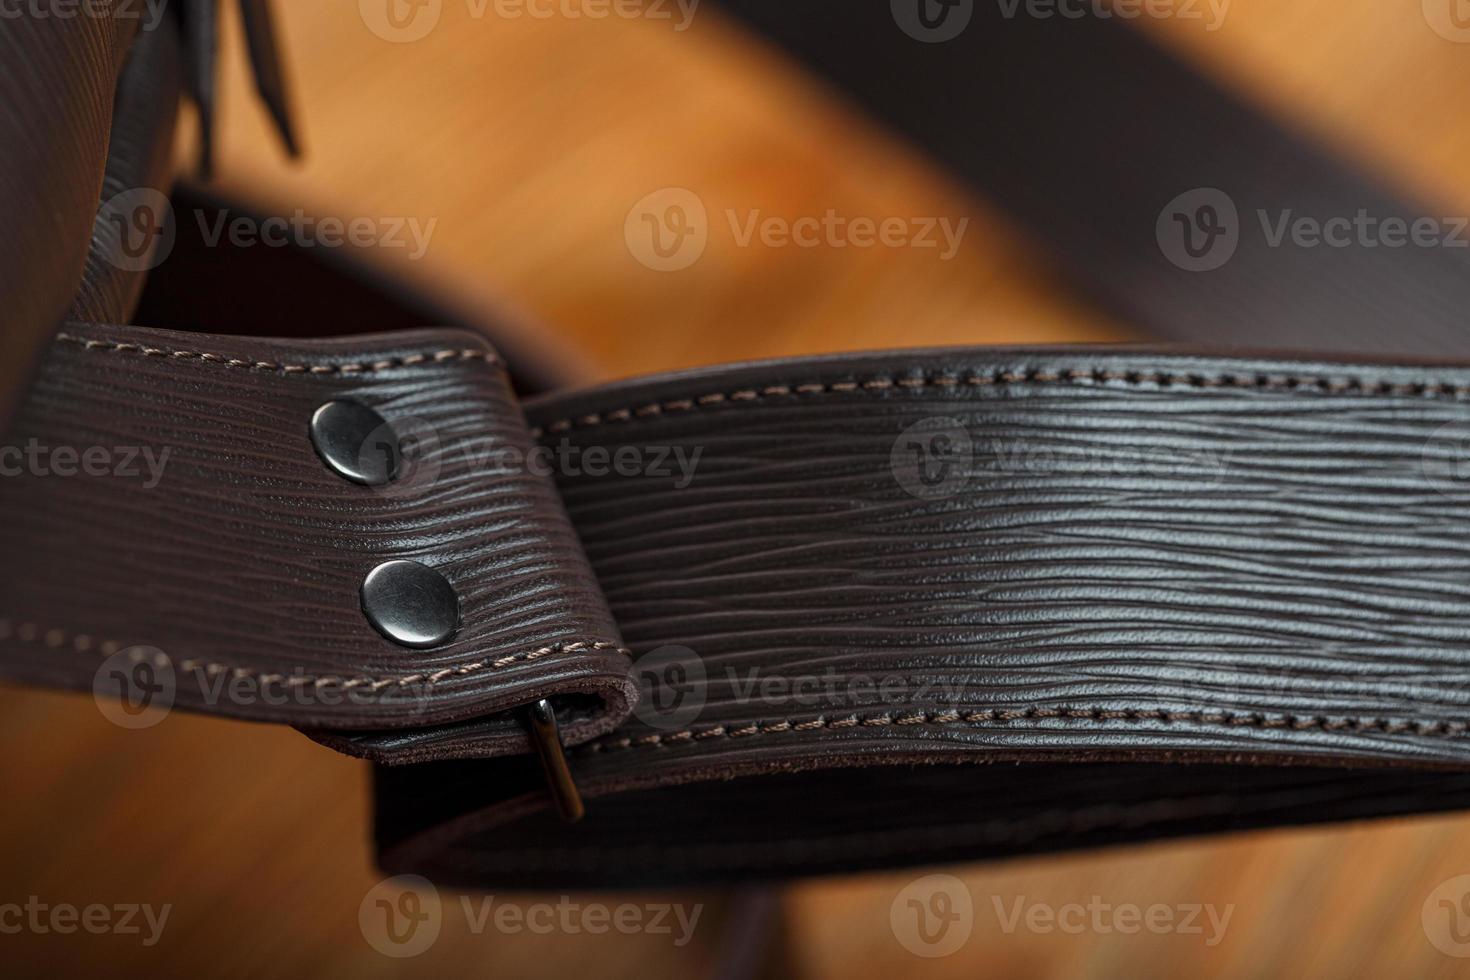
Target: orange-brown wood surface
(527,141)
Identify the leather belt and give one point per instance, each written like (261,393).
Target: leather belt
(790,617)
(1194,591)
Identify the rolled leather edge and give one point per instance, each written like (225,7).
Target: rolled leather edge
(1160,593)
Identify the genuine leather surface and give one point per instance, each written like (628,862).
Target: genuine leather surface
(139,158)
(207,532)
(1119,557)
(59,76)
(1237,585)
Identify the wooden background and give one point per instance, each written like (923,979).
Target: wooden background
(529,141)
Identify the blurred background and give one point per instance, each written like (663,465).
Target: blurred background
(523,147)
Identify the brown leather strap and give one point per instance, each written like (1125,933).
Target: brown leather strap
(60,77)
(1109,560)
(87,140)
(180,522)
(1195,592)
(929,559)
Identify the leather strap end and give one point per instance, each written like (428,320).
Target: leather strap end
(183,523)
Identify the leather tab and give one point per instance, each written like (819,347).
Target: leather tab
(165,507)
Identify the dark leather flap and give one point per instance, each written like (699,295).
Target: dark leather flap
(166,511)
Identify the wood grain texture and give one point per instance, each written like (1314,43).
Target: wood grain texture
(530,141)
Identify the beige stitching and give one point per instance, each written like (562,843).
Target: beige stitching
(1069,376)
(57,639)
(1065,377)
(410,360)
(1231,719)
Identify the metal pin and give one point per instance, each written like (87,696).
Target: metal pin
(559,781)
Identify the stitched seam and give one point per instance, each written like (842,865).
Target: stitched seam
(368,367)
(1216,718)
(1070,377)
(57,639)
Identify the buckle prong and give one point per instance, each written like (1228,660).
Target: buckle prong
(547,737)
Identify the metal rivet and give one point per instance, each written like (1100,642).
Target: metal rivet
(411,604)
(355,442)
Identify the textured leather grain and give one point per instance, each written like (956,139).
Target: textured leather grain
(1189,593)
(139,157)
(1130,558)
(1210,578)
(59,76)
(209,531)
